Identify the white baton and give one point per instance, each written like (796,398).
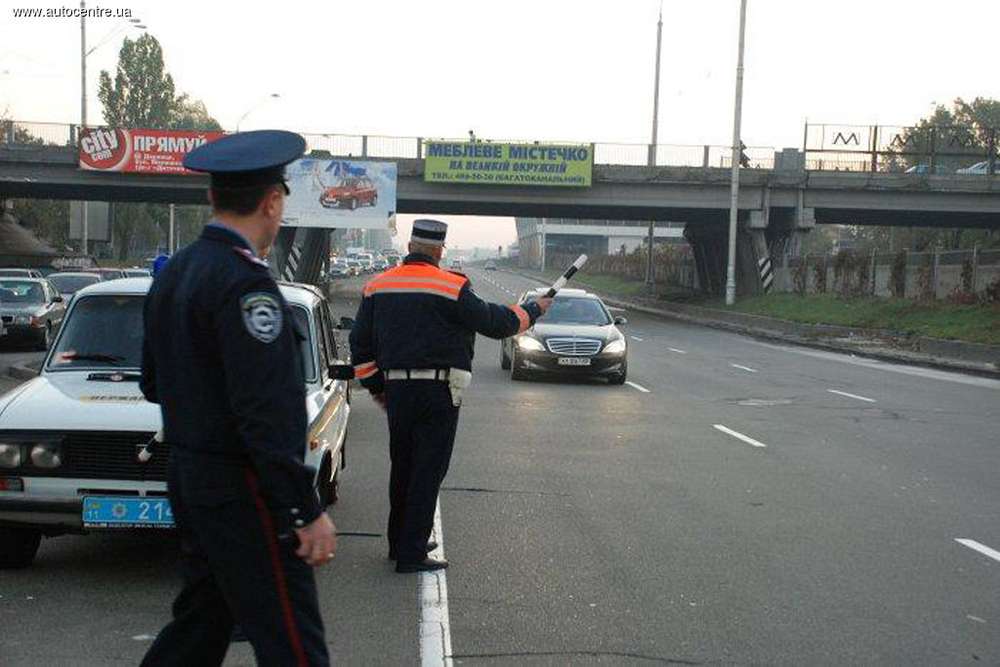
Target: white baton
(564,278)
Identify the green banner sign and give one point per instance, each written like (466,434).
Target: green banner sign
(508,164)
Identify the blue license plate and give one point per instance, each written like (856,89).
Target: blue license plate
(126,512)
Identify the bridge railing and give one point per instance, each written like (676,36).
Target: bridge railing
(924,150)
(388,147)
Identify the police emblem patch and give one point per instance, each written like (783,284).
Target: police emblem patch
(262,316)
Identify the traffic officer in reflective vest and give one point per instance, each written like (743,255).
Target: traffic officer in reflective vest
(412,346)
(221,357)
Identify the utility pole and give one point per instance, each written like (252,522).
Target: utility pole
(656,90)
(734,190)
(83,105)
(653,141)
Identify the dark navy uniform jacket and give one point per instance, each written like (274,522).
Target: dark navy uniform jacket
(419,316)
(221,357)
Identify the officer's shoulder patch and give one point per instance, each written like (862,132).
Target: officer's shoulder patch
(262,316)
(249,256)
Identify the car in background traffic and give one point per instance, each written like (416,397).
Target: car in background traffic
(380,264)
(106,273)
(70,282)
(981,168)
(577,337)
(455,264)
(30,309)
(490,265)
(70,438)
(136,272)
(925,170)
(350,192)
(20,273)
(339,268)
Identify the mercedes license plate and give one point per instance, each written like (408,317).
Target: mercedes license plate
(126,512)
(574,361)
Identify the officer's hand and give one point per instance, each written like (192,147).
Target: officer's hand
(379,399)
(544,303)
(317,541)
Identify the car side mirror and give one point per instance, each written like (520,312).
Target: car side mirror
(57,299)
(621,320)
(341,371)
(346,324)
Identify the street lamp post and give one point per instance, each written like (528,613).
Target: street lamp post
(734,190)
(271,96)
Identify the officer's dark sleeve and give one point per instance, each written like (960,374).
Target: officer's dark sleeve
(492,319)
(266,390)
(147,382)
(362,340)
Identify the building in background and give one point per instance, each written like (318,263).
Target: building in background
(593,237)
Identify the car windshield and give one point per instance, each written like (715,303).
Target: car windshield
(101,331)
(21,291)
(576,310)
(68,284)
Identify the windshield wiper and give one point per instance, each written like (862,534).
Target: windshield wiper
(94,356)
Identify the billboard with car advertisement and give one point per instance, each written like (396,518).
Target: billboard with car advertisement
(341,194)
(486,163)
(139,151)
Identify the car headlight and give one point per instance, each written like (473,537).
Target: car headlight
(46,455)
(527,343)
(615,347)
(22,319)
(10,456)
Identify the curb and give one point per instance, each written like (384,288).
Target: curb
(972,358)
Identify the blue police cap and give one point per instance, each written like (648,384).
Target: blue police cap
(247,158)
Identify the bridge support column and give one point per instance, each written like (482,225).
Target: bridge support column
(300,253)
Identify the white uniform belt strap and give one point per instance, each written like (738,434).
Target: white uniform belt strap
(418,374)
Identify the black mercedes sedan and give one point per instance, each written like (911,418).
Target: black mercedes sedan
(577,337)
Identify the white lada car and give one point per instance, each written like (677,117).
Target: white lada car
(70,439)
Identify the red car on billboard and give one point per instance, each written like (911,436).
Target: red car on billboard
(350,192)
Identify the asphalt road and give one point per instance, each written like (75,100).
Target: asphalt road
(739,502)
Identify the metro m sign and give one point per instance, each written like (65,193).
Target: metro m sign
(140,151)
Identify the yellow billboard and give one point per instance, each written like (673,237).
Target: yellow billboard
(486,163)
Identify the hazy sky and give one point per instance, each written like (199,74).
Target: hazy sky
(575,70)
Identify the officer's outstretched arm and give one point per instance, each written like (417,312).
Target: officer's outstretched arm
(492,319)
(363,351)
(263,369)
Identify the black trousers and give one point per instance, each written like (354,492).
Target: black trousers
(239,566)
(422,424)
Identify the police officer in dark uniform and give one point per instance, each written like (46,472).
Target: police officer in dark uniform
(221,357)
(412,346)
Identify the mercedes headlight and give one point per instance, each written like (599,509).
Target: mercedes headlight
(10,456)
(615,347)
(46,455)
(529,344)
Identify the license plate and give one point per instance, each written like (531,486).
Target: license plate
(126,512)
(574,361)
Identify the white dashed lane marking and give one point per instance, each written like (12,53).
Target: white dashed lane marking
(635,338)
(674,349)
(855,396)
(981,548)
(743,368)
(738,435)
(637,386)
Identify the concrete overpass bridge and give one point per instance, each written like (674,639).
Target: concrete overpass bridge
(777,204)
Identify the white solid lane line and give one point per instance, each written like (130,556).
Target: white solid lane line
(743,368)
(844,393)
(981,548)
(635,338)
(674,349)
(435,627)
(738,435)
(637,386)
